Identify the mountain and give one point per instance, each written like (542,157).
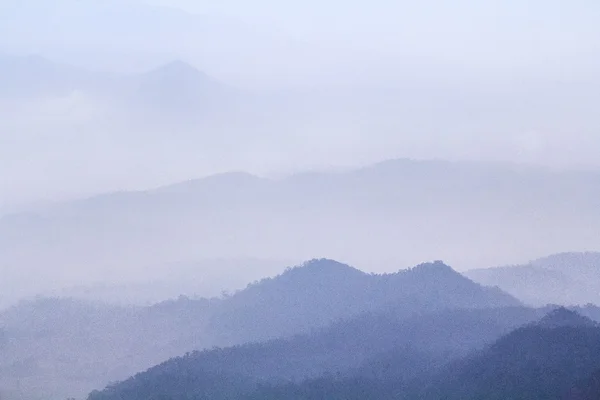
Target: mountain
(563,317)
(538,361)
(385,216)
(547,360)
(359,347)
(322,291)
(565,278)
(459,354)
(92,344)
(59,348)
(180,88)
(175,86)
(585,262)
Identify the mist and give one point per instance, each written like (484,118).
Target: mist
(178,91)
(194,192)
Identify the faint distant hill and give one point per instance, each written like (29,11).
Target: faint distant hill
(539,361)
(179,88)
(565,278)
(174,87)
(384,215)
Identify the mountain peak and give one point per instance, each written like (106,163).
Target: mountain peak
(588,260)
(562,316)
(178,86)
(323,266)
(436,266)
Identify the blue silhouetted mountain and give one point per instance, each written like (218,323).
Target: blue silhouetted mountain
(369,347)
(303,299)
(563,317)
(323,291)
(541,361)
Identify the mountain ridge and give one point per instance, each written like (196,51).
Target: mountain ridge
(540,360)
(567,278)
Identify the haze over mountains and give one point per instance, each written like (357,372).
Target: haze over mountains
(567,278)
(386,216)
(321,319)
(163,161)
(301,100)
(541,360)
(61,348)
(75,32)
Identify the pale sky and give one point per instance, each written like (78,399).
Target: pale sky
(507,32)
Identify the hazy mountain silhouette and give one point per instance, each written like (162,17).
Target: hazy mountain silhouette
(92,344)
(172,87)
(180,88)
(565,278)
(397,205)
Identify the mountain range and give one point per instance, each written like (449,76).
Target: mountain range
(59,347)
(385,216)
(319,326)
(176,85)
(543,360)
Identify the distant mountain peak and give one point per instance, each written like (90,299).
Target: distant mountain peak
(562,316)
(320,261)
(179,86)
(318,267)
(436,266)
(570,260)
